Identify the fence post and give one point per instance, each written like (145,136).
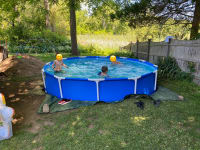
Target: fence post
(130,46)
(137,48)
(149,46)
(168,50)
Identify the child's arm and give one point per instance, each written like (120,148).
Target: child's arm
(53,65)
(64,65)
(116,62)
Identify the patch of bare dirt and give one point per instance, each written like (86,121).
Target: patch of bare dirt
(23,67)
(22,97)
(35,127)
(25,94)
(91,126)
(49,123)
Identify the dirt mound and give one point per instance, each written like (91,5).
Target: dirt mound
(24,67)
(21,83)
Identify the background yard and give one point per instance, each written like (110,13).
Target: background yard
(172,125)
(36,29)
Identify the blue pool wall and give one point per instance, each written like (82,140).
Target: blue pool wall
(106,90)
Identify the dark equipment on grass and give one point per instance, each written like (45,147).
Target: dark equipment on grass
(140,104)
(157,103)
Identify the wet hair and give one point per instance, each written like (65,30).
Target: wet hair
(57,52)
(104,69)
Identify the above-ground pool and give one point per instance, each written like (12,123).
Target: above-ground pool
(81,80)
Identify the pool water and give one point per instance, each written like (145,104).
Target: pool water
(90,67)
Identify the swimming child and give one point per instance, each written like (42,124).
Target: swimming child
(113,59)
(58,63)
(104,71)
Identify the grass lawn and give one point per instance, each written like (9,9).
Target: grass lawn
(49,56)
(172,125)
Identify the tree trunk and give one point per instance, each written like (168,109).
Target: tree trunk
(196,21)
(73,28)
(3,53)
(104,23)
(47,20)
(14,17)
(13,23)
(52,27)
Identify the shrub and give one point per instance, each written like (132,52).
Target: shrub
(124,53)
(90,51)
(197,37)
(168,68)
(40,42)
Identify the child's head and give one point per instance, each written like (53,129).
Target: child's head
(104,69)
(113,58)
(59,57)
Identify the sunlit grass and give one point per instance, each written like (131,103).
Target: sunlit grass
(106,41)
(47,57)
(172,125)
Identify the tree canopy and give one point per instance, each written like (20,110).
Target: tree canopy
(24,21)
(147,12)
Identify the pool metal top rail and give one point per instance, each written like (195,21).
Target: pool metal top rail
(106,78)
(99,81)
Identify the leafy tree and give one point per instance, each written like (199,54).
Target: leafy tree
(73,6)
(146,12)
(47,17)
(47,7)
(10,10)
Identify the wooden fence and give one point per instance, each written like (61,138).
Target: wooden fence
(185,52)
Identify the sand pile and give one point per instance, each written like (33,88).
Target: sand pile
(24,67)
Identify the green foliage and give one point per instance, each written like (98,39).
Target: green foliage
(24,27)
(158,32)
(29,19)
(90,51)
(191,66)
(99,22)
(40,42)
(147,12)
(197,36)
(105,42)
(18,33)
(135,13)
(47,57)
(123,53)
(168,68)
